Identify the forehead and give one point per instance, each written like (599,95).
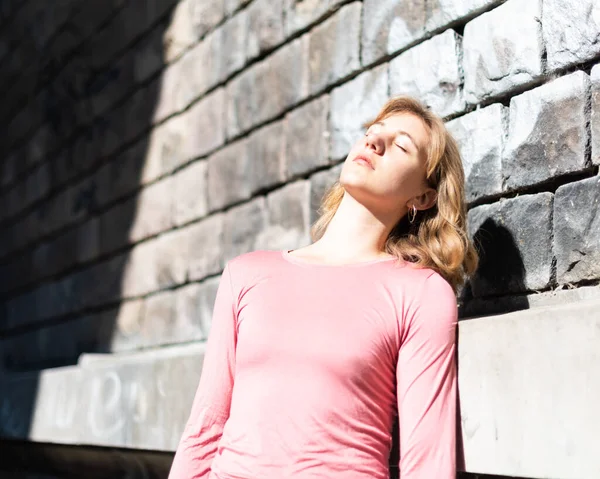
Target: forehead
(411,124)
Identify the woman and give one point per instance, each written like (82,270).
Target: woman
(313,352)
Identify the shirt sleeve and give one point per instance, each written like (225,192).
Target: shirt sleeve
(210,408)
(426,381)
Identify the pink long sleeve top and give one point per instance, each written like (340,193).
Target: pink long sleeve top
(307,365)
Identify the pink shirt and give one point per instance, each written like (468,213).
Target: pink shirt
(307,365)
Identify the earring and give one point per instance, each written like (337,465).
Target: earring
(412,214)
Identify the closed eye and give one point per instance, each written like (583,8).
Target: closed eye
(402,148)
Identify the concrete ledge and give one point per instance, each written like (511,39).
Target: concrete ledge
(529,389)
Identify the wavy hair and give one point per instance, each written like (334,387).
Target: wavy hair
(437,238)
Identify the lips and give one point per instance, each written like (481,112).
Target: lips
(364,160)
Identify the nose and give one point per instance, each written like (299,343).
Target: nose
(374,141)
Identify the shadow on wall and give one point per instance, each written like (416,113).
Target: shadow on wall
(71,87)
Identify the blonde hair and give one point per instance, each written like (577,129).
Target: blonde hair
(437,238)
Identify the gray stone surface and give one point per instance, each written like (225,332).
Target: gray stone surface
(127,323)
(443,12)
(431,72)
(153,212)
(228,174)
(206,14)
(242,227)
(266,157)
(180,34)
(170,262)
(306,131)
(235,36)
(514,239)
(159,321)
(577,231)
(169,91)
(139,275)
(267,88)
(299,15)
(88,240)
(480,136)
(193,308)
(390,25)
(595,120)
(190,200)
(354,104)
(205,122)
(547,133)
(265,26)
(233,5)
(571,31)
(319,184)
(502,50)
(165,150)
(288,213)
(205,248)
(334,47)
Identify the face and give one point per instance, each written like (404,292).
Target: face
(386,168)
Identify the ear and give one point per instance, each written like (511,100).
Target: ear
(425,200)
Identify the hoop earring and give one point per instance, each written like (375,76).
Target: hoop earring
(412,214)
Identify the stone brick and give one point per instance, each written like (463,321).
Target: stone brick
(233,5)
(148,55)
(390,25)
(595,121)
(547,133)
(170,263)
(266,157)
(168,91)
(334,48)
(352,105)
(205,250)
(242,228)
(158,324)
(319,184)
(128,318)
(480,136)
(288,212)
(299,15)
(193,309)
(514,238)
(265,26)
(165,149)
(202,68)
(577,231)
(180,34)
(571,31)
(431,72)
(205,130)
(37,184)
(88,240)
(139,274)
(115,224)
(153,213)
(306,132)
(62,253)
(190,200)
(502,50)
(206,14)
(443,12)
(235,35)
(267,88)
(228,175)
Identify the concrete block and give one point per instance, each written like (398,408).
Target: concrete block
(265,26)
(480,136)
(205,125)
(190,187)
(571,32)
(242,228)
(229,173)
(319,184)
(154,210)
(502,50)
(443,12)
(288,213)
(299,15)
(389,26)
(595,121)
(205,247)
(266,157)
(354,104)
(547,134)
(306,132)
(431,72)
(334,48)
(514,239)
(577,231)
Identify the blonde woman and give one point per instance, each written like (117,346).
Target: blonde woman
(314,353)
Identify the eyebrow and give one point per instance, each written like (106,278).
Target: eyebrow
(401,132)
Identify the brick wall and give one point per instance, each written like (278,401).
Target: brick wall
(146,143)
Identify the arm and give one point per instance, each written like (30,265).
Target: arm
(426,379)
(210,408)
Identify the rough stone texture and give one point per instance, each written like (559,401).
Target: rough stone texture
(267,88)
(390,25)
(514,239)
(158,324)
(307,137)
(139,274)
(154,210)
(266,157)
(502,50)
(571,31)
(170,263)
(233,5)
(354,104)
(190,200)
(128,319)
(265,26)
(205,125)
(242,227)
(480,136)
(298,15)
(206,14)
(431,72)
(114,223)
(547,133)
(165,150)
(235,35)
(288,211)
(444,12)
(577,231)
(205,247)
(87,240)
(193,308)
(334,47)
(180,34)
(228,173)
(595,121)
(319,183)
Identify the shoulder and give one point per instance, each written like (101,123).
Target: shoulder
(248,266)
